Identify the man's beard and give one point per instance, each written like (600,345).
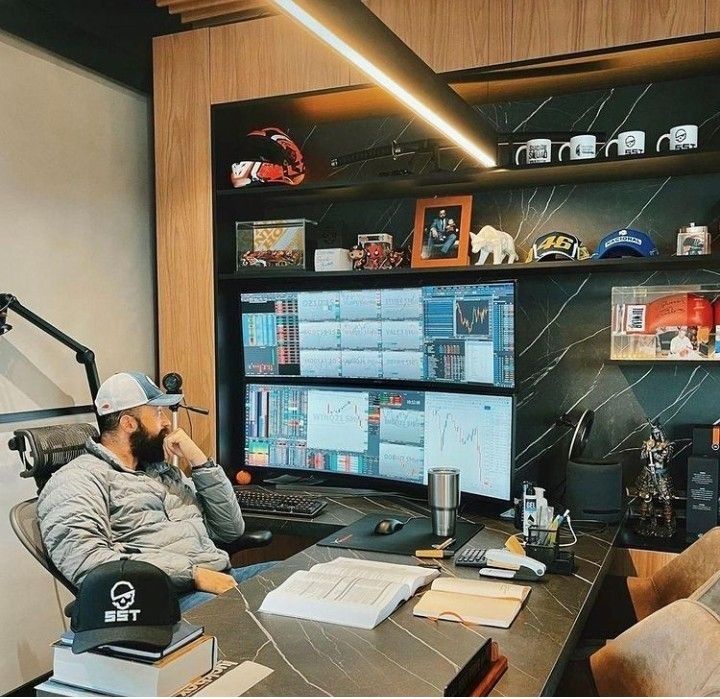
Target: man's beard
(145,448)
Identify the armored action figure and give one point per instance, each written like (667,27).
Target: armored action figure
(654,486)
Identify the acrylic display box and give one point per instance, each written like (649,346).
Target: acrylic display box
(275,244)
(668,323)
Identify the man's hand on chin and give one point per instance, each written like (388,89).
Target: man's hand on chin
(178,443)
(212,581)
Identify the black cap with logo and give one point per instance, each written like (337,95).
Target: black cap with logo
(124,602)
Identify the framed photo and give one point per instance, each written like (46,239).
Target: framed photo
(441,235)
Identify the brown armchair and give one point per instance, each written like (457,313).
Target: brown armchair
(674,651)
(679,578)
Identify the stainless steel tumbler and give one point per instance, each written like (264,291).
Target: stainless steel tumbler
(444,499)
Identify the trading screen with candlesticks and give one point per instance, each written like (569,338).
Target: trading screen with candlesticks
(457,334)
(382,433)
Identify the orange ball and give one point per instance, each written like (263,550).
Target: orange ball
(243,478)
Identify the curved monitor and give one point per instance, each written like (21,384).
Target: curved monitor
(390,434)
(453,334)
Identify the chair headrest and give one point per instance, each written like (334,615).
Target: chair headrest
(43,450)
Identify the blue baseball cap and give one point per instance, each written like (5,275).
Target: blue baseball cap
(626,242)
(130,389)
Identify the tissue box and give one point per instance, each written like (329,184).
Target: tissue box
(332,260)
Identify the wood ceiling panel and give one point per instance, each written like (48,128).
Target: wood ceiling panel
(245,64)
(178,6)
(712,15)
(232,8)
(479,34)
(199,10)
(551,27)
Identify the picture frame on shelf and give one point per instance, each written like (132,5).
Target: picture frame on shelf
(441,235)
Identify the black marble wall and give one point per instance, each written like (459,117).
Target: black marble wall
(562,320)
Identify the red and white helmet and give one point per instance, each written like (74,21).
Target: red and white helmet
(270,156)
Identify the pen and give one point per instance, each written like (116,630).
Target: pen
(444,544)
(555,526)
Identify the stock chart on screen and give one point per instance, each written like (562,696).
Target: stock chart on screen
(454,334)
(382,433)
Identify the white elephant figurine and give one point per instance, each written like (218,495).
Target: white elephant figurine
(490,240)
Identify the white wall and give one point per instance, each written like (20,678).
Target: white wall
(76,248)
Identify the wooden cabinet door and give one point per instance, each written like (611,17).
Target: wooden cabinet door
(450,34)
(270,56)
(551,27)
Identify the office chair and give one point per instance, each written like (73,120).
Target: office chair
(51,448)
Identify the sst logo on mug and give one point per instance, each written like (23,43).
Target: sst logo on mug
(538,150)
(628,143)
(683,137)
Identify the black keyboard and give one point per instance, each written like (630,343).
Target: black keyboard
(277,504)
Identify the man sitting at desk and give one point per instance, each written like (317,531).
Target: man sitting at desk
(124,499)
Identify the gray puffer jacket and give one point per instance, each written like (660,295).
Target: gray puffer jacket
(93,510)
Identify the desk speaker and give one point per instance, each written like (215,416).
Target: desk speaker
(594,490)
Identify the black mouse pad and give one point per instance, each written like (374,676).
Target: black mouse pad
(416,534)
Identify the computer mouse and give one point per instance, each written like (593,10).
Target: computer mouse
(388,526)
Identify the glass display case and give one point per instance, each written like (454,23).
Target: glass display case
(666,323)
(271,243)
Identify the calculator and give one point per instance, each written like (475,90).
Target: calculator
(472,558)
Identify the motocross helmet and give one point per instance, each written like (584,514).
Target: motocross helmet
(268,156)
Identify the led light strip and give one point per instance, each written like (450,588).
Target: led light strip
(385,81)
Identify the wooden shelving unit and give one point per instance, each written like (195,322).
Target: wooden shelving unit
(673,362)
(487,271)
(599,170)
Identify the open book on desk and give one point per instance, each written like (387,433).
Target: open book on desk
(347,591)
(473,601)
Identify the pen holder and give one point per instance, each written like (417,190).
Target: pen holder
(543,545)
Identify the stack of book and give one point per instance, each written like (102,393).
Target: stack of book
(132,671)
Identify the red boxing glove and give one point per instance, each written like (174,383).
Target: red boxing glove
(678,310)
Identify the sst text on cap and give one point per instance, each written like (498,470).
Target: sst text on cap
(131,389)
(124,602)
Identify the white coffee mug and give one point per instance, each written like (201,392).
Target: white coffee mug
(581,147)
(538,151)
(682,137)
(628,143)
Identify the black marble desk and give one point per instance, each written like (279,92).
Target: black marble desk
(404,655)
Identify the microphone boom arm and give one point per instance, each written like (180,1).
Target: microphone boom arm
(83,355)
